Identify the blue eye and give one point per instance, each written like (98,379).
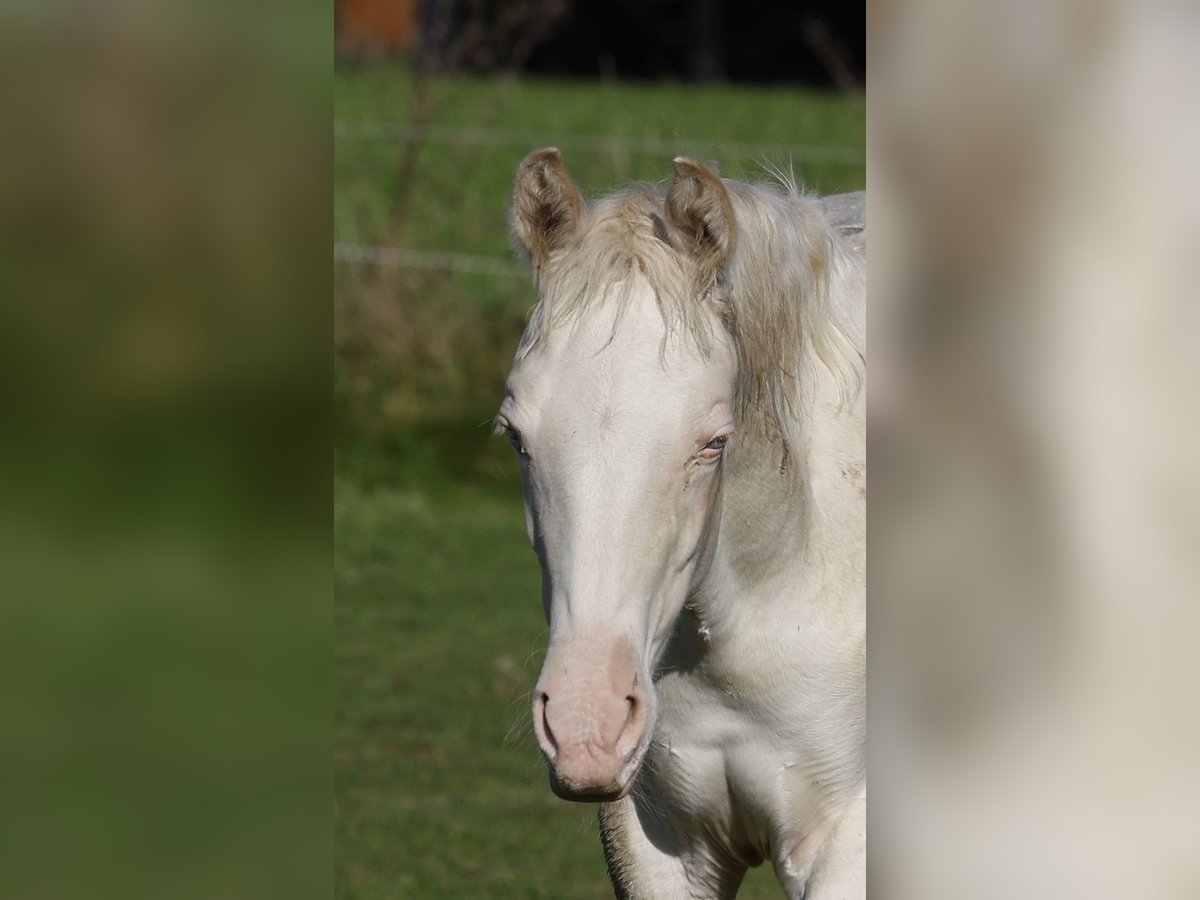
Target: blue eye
(515,439)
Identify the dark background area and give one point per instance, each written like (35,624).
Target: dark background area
(817,44)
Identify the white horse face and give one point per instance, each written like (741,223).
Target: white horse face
(620,438)
(620,424)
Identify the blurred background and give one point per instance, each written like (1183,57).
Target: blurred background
(439,628)
(164,450)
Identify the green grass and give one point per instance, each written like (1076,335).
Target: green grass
(438,621)
(437,618)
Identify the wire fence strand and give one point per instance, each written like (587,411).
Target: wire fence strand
(647,146)
(401,257)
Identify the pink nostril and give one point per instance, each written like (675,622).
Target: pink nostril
(542,725)
(631,731)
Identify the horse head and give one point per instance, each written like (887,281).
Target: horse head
(620,405)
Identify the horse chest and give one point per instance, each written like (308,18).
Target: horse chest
(728,772)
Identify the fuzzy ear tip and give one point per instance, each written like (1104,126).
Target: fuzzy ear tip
(546,154)
(685,164)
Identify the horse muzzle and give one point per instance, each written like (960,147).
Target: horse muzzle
(584,775)
(592,723)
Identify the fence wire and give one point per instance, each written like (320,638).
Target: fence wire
(646,146)
(405,258)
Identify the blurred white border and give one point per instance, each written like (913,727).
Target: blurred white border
(1034,389)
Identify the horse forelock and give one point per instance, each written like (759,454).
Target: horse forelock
(623,243)
(787,299)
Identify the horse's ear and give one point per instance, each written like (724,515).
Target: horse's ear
(701,215)
(546,205)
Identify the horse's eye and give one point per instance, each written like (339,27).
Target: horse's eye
(712,450)
(515,439)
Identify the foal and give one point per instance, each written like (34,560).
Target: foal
(687,412)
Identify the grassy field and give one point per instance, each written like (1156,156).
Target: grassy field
(438,792)
(438,628)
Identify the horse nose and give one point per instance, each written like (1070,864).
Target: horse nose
(545,731)
(541,726)
(589,743)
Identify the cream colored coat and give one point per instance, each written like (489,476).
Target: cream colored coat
(688,413)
